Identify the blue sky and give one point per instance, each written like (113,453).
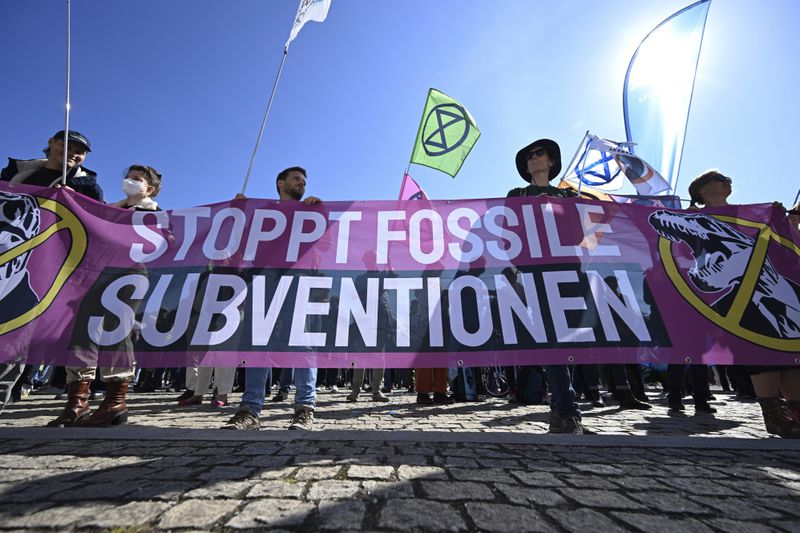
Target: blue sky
(182,86)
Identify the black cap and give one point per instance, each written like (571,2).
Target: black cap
(74,136)
(553,151)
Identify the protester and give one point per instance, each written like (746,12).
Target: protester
(48,172)
(538,164)
(712,189)
(291,186)
(140,184)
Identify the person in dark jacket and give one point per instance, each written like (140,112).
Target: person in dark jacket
(48,172)
(538,164)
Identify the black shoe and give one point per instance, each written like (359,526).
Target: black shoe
(629,402)
(704,408)
(280,396)
(424,398)
(676,408)
(441,398)
(185,396)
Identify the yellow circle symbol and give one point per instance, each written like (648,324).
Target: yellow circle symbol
(731,322)
(65,220)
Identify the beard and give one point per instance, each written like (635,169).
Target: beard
(296,193)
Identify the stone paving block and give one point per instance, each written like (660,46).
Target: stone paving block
(221,489)
(318,472)
(96,491)
(525,495)
(331,489)
(408,460)
(791,526)
(33,492)
(265,461)
(596,468)
(312,460)
(601,498)
(537,479)
(197,513)
(276,473)
(258,448)
(60,516)
(738,526)
(411,515)
(341,515)
(776,504)
(226,473)
(421,472)
(162,490)
(499,463)
(480,474)
(506,518)
(131,514)
(383,490)
(450,461)
(271,513)
(777,488)
(284,488)
(456,490)
(370,472)
(771,472)
(738,508)
(668,502)
(663,524)
(589,482)
(583,520)
(701,487)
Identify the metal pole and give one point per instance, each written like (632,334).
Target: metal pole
(66,111)
(264,122)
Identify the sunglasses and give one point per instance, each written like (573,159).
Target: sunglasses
(538,152)
(722,179)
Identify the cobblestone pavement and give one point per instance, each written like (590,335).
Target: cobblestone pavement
(388,467)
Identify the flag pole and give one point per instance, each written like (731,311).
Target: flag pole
(66,110)
(575,156)
(796,197)
(264,121)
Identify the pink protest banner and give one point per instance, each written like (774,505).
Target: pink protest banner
(394,284)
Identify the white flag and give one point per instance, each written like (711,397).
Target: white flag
(315,10)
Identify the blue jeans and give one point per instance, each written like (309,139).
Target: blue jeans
(285,379)
(255,383)
(562,395)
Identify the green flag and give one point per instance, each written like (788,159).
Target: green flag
(446,134)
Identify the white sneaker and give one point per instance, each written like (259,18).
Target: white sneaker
(334,388)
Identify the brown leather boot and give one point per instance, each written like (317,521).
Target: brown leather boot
(112,411)
(77,407)
(778,420)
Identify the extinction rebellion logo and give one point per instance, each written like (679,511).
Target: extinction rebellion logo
(27,224)
(756,302)
(446,128)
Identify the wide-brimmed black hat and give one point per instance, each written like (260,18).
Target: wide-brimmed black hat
(552,150)
(74,136)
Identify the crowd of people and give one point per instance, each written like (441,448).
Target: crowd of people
(776,388)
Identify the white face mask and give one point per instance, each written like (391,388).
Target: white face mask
(132,187)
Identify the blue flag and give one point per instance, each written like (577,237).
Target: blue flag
(658,89)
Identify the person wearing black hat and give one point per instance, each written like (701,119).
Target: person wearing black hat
(47,172)
(539,163)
